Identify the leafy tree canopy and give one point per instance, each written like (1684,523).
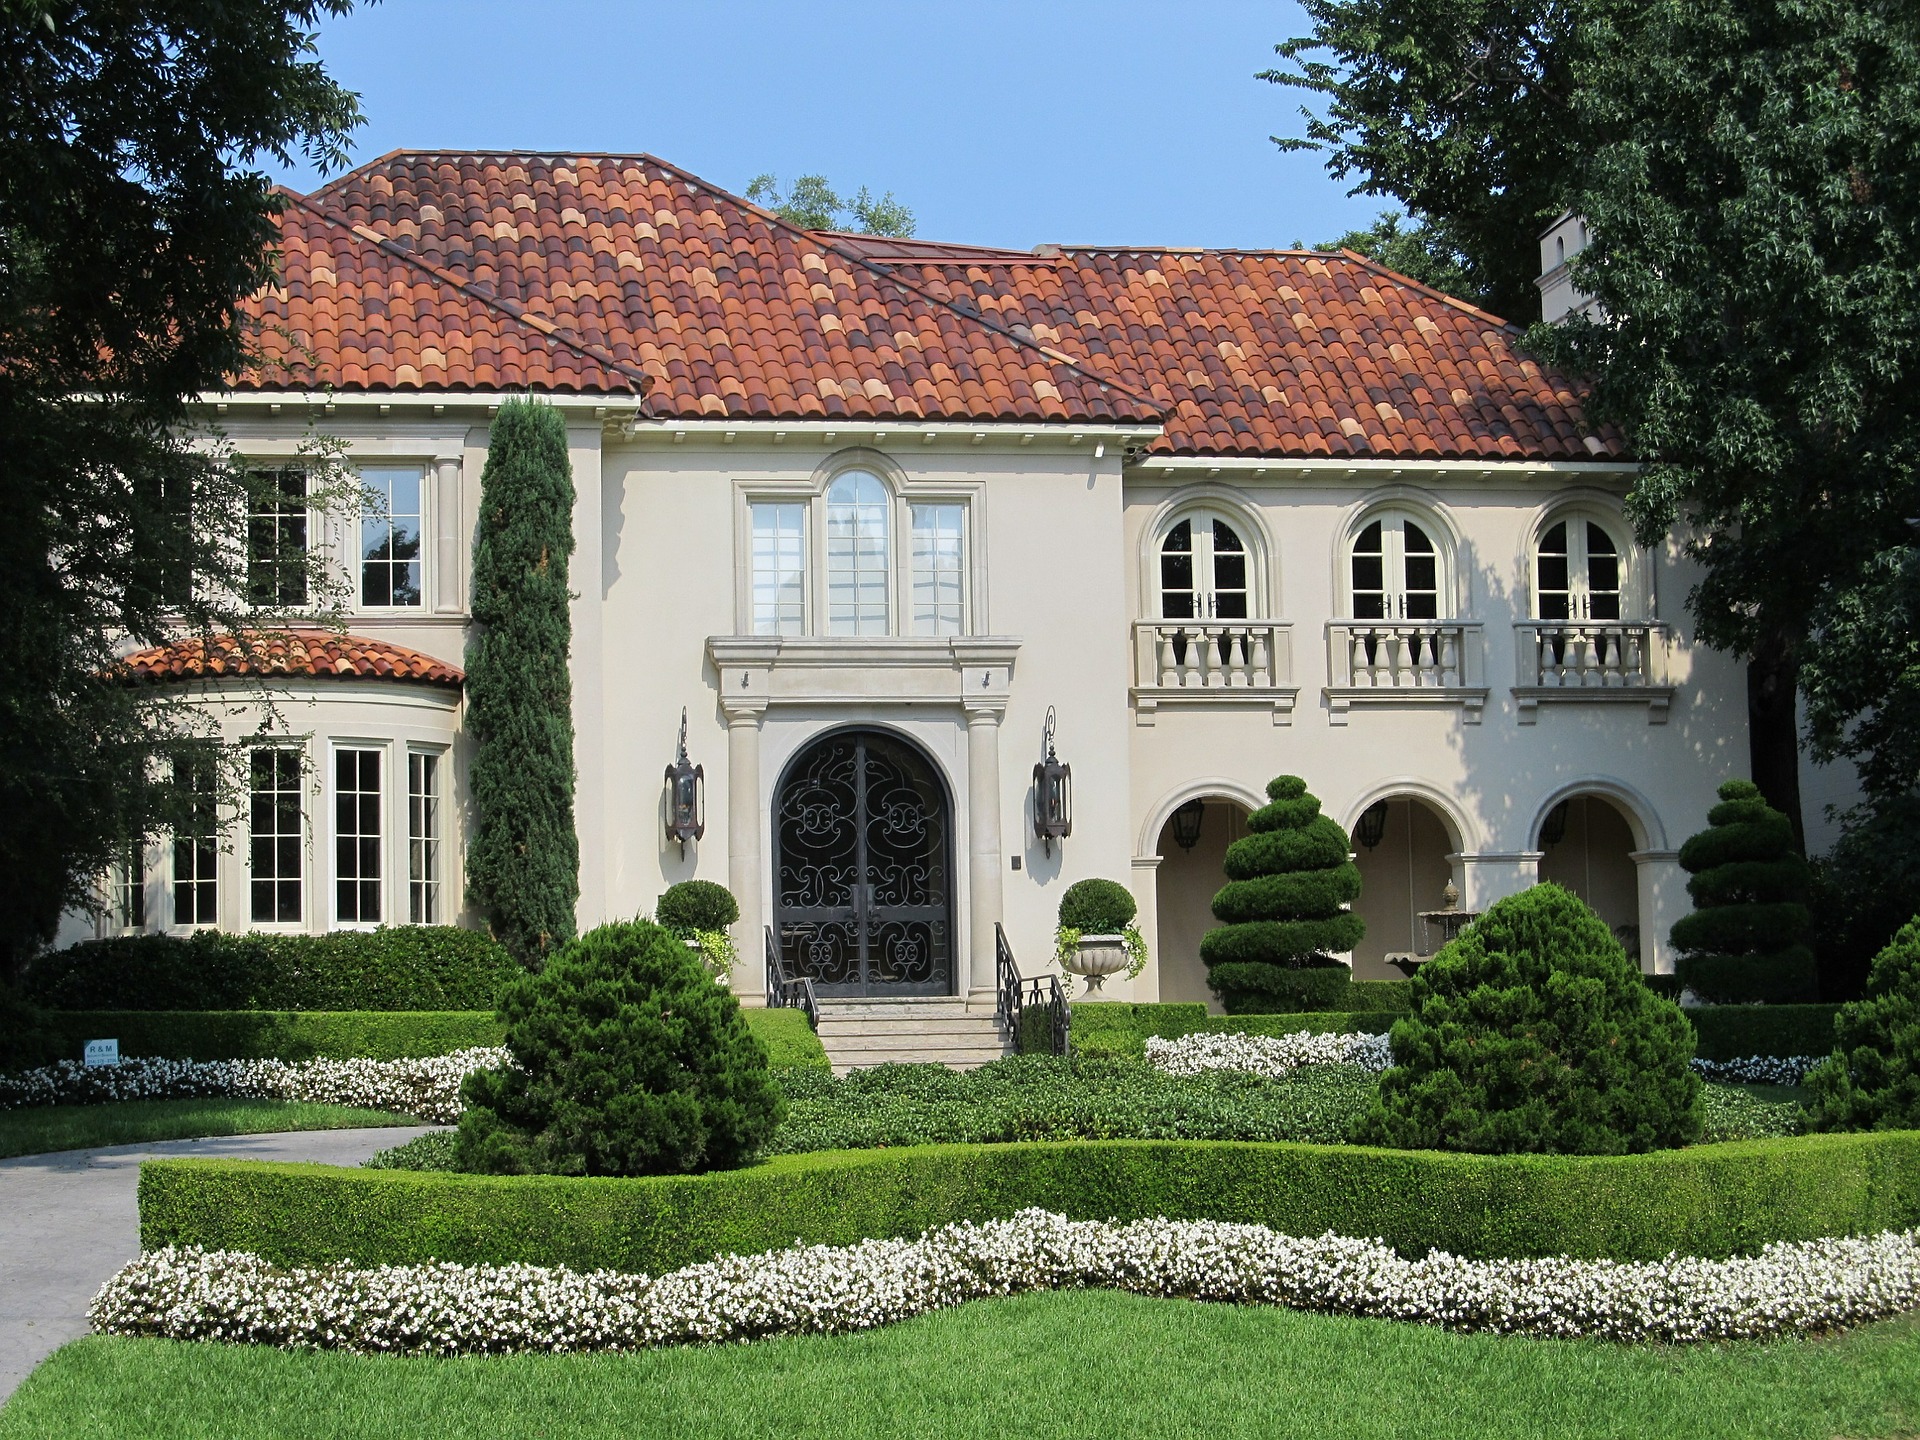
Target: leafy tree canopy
(1417,250)
(813,204)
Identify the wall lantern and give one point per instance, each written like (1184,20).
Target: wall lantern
(1372,828)
(1186,823)
(1052,794)
(1553,829)
(686,795)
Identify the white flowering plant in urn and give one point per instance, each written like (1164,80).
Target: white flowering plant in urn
(699,912)
(1096,936)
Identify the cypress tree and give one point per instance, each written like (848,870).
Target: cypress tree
(1290,882)
(1746,938)
(523,867)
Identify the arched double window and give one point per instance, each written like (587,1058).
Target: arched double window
(1205,571)
(1396,570)
(1578,572)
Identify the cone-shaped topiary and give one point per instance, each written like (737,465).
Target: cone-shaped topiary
(1284,909)
(523,864)
(1872,1080)
(632,1062)
(1533,1031)
(1745,940)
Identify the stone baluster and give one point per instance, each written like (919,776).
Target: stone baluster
(1260,659)
(1169,663)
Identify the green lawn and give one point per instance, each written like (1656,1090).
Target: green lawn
(1066,1364)
(129,1122)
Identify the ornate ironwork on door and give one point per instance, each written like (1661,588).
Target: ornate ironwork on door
(863,869)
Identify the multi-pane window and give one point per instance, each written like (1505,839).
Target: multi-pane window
(779,569)
(390,537)
(277,538)
(130,889)
(196,842)
(275,841)
(423,838)
(939,560)
(356,836)
(1203,570)
(1395,571)
(858,573)
(1577,573)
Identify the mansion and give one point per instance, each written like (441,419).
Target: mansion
(884,518)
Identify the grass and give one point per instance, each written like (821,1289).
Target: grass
(1088,1364)
(38,1129)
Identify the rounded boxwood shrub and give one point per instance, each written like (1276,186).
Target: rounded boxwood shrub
(631,1062)
(1745,942)
(1097,907)
(1532,1031)
(1284,910)
(1872,1079)
(695,906)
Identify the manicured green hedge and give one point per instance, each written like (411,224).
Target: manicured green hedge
(1707,1200)
(408,967)
(1727,1032)
(790,1041)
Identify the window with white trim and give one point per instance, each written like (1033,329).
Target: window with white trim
(859,572)
(390,530)
(277,538)
(1578,572)
(939,591)
(275,839)
(130,889)
(196,842)
(1204,569)
(779,568)
(423,837)
(357,834)
(1396,570)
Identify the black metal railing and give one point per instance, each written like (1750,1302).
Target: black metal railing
(788,991)
(1025,1005)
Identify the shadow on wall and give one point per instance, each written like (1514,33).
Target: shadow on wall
(1188,877)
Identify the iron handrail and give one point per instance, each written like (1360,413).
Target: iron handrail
(1014,996)
(786,991)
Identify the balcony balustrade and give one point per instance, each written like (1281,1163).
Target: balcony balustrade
(1233,661)
(1592,660)
(1400,662)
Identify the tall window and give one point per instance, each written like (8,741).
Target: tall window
(779,569)
(1395,571)
(1203,570)
(130,888)
(277,538)
(857,555)
(196,842)
(939,569)
(423,838)
(356,836)
(390,537)
(1577,572)
(276,836)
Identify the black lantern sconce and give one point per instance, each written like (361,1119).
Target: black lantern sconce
(1052,794)
(1372,828)
(1553,829)
(686,795)
(1186,823)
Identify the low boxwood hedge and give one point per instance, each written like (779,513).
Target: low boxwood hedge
(1727,1032)
(1710,1200)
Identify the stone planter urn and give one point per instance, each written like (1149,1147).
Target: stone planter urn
(1096,957)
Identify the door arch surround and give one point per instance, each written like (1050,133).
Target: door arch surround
(863,870)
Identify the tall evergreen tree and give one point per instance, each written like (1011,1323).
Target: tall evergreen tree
(523,867)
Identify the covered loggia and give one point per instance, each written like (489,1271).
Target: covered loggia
(1587,844)
(1404,846)
(1193,849)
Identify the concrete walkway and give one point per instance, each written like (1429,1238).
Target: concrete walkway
(69,1220)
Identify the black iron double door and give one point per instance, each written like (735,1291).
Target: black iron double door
(863,868)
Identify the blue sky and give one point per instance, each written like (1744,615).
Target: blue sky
(999,123)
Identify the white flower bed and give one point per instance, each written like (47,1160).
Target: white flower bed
(428,1087)
(444,1309)
(1276,1055)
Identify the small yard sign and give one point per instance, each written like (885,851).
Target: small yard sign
(103,1052)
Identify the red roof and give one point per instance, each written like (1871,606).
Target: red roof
(320,654)
(603,274)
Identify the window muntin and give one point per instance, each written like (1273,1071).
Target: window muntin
(130,889)
(779,568)
(423,838)
(276,835)
(1204,570)
(1577,572)
(1394,571)
(939,569)
(390,532)
(196,842)
(858,568)
(357,836)
(277,538)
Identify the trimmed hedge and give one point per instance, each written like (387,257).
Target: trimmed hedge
(406,967)
(1728,1032)
(1710,1200)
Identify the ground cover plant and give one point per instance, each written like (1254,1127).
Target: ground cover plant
(1872,1080)
(1746,938)
(130,1122)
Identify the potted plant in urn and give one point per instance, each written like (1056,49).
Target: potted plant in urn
(1096,936)
(699,912)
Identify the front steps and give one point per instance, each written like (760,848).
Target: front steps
(859,1033)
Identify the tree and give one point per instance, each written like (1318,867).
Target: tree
(813,204)
(1285,909)
(1416,251)
(1746,938)
(133,226)
(1872,1079)
(523,865)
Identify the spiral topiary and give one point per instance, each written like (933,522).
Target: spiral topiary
(1745,941)
(1533,1031)
(1872,1079)
(1285,910)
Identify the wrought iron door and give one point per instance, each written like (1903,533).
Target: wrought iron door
(863,869)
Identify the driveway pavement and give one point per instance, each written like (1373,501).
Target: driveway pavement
(69,1220)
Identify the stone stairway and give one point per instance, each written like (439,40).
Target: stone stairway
(858,1033)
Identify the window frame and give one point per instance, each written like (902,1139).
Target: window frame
(385,748)
(172,923)
(441,756)
(1637,591)
(303,875)
(1451,598)
(1253,547)
(356,552)
(309,538)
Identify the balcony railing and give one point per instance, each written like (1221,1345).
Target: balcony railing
(1437,662)
(1592,660)
(1213,660)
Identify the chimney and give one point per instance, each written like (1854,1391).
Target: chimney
(1561,241)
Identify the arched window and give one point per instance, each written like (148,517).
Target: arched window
(1204,569)
(1395,570)
(857,559)
(1577,572)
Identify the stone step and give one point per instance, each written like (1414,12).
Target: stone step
(972,1040)
(952,1059)
(924,1030)
(899,1010)
(893,1029)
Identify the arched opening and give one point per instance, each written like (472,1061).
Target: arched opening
(1401,845)
(1587,846)
(863,868)
(1193,851)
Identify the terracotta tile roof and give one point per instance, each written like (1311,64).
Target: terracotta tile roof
(320,654)
(600,274)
